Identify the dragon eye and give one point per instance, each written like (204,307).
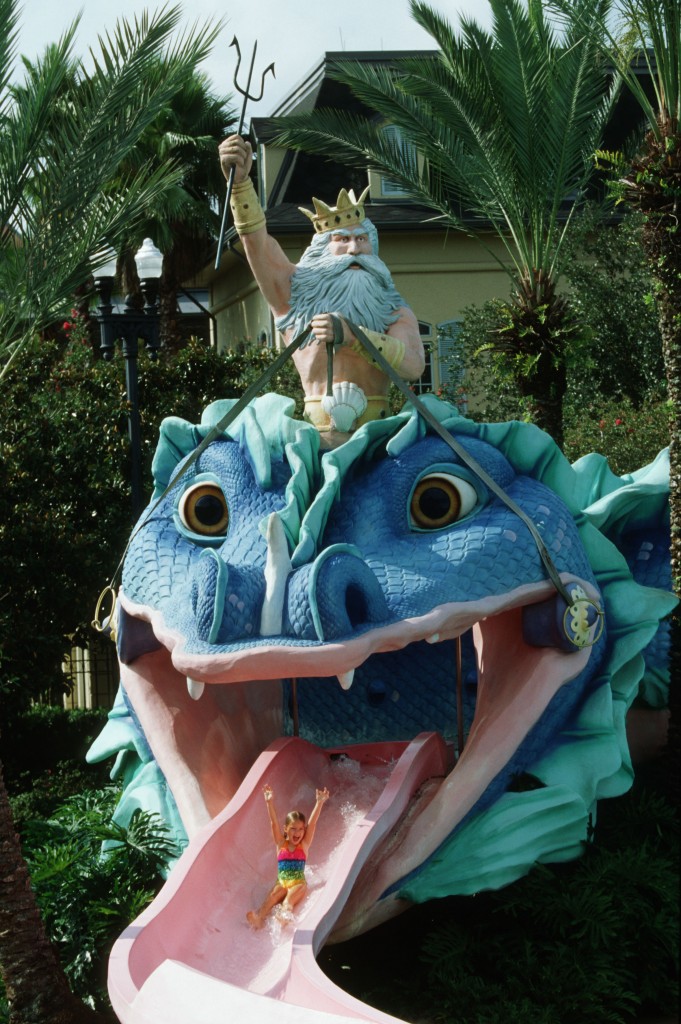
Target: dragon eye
(440,500)
(203,510)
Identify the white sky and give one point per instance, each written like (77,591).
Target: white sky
(292,33)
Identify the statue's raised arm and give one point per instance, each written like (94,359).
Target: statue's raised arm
(271,268)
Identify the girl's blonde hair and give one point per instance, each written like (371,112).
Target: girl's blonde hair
(291,817)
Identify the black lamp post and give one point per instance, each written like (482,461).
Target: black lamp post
(129,327)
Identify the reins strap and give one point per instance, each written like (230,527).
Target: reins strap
(465,457)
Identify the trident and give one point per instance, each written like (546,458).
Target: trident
(246,93)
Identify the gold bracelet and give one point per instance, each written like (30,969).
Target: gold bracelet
(392,349)
(246,209)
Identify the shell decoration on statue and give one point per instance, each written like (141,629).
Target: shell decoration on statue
(345,405)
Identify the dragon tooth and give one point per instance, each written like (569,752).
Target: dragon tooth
(277,570)
(434,639)
(194,688)
(346,678)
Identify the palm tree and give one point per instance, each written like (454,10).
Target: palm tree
(60,146)
(501,125)
(185,220)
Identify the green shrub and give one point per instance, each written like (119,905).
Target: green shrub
(45,737)
(589,941)
(38,796)
(88,898)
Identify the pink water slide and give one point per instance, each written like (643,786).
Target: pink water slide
(191,957)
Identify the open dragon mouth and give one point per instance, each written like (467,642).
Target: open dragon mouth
(207,717)
(274,591)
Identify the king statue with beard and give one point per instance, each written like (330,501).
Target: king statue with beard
(339,275)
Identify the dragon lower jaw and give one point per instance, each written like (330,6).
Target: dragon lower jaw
(207,719)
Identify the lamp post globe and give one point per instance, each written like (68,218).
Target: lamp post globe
(129,326)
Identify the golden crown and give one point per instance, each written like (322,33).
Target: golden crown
(347,211)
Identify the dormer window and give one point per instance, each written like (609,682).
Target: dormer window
(383,188)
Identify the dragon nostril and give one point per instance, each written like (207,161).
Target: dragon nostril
(346,595)
(356,606)
(333,597)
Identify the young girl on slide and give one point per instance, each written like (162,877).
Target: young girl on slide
(293,842)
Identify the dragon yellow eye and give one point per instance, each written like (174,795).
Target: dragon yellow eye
(440,499)
(203,510)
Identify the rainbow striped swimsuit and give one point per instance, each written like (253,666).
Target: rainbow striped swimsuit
(291,866)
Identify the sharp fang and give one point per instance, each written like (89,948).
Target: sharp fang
(346,678)
(194,688)
(434,639)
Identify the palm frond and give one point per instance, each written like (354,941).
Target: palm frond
(67,133)
(506,123)
(635,33)
(9,31)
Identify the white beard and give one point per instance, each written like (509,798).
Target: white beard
(322,283)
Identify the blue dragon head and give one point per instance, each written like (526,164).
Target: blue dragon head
(276,587)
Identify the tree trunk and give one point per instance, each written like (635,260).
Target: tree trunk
(655,189)
(664,248)
(35,983)
(539,329)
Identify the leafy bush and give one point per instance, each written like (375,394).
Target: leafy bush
(615,369)
(612,295)
(88,897)
(491,393)
(44,737)
(630,437)
(37,796)
(590,941)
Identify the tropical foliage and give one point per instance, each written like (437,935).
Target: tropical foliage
(612,291)
(615,401)
(501,126)
(184,220)
(87,899)
(66,131)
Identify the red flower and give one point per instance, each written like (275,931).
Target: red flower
(618,422)
(601,424)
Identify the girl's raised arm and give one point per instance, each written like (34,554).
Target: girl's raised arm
(322,797)
(277,834)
